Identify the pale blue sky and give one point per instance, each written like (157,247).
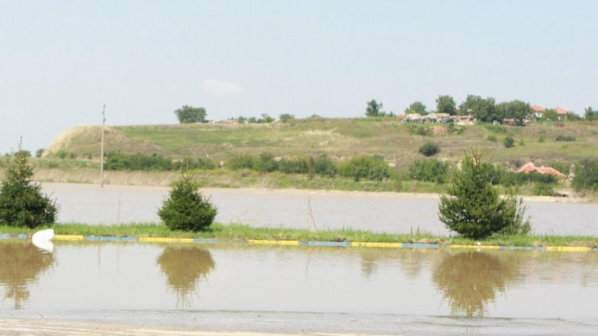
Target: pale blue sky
(60,61)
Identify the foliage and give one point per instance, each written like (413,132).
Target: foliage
(286,117)
(185,208)
(188,114)
(373,108)
(509,142)
(543,189)
(590,114)
(266,118)
(550,114)
(241,161)
(429,171)
(366,167)
(417,107)
(446,104)
(565,138)
(474,209)
(419,130)
(492,138)
(429,149)
(21,202)
(516,110)
(324,166)
(586,175)
(241,119)
(293,166)
(265,163)
(122,161)
(481,109)
(572,116)
(61,154)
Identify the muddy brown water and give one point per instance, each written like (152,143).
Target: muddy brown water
(128,280)
(381,212)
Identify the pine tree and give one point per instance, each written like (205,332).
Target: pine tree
(475,210)
(21,202)
(186,209)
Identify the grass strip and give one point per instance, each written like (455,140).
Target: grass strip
(240,232)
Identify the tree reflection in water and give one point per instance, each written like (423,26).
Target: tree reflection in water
(21,263)
(470,280)
(184,267)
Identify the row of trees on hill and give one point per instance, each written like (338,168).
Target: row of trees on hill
(483,109)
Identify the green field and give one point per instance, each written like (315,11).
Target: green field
(340,139)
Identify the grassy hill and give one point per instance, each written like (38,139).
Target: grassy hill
(339,138)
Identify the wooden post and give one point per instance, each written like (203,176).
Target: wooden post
(102,150)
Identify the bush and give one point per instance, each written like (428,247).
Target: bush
(419,130)
(39,153)
(188,163)
(429,171)
(21,202)
(566,138)
(509,142)
(429,149)
(586,176)
(492,138)
(266,163)
(243,161)
(293,166)
(509,179)
(61,154)
(475,210)
(324,166)
(121,161)
(543,189)
(366,167)
(185,208)
(286,117)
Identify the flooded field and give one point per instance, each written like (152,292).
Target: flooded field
(393,213)
(226,285)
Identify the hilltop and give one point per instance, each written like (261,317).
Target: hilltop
(340,139)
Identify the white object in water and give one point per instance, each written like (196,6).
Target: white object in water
(43,240)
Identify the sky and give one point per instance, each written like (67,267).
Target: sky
(61,61)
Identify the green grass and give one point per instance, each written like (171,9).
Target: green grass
(245,232)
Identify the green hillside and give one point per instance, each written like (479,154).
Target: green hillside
(340,139)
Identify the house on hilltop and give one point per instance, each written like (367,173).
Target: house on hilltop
(538,111)
(562,113)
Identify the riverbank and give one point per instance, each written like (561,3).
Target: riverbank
(243,233)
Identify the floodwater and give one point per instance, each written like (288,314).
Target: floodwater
(380,212)
(420,291)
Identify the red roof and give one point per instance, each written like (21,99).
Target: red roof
(530,168)
(561,110)
(537,108)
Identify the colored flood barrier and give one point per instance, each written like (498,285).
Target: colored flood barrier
(303,243)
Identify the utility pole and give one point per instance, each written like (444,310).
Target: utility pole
(102,150)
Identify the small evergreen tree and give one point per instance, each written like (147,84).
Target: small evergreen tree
(475,210)
(429,149)
(21,202)
(185,208)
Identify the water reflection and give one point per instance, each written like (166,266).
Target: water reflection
(21,264)
(471,280)
(184,267)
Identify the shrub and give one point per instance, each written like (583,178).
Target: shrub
(543,189)
(586,176)
(429,171)
(419,130)
(185,208)
(293,166)
(242,161)
(286,117)
(122,161)
(509,142)
(61,154)
(366,167)
(566,138)
(429,149)
(266,163)
(21,202)
(475,210)
(541,140)
(188,163)
(492,138)
(39,153)
(509,179)
(324,166)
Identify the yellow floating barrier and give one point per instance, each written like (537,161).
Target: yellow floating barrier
(69,237)
(364,244)
(569,248)
(485,247)
(274,242)
(165,240)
